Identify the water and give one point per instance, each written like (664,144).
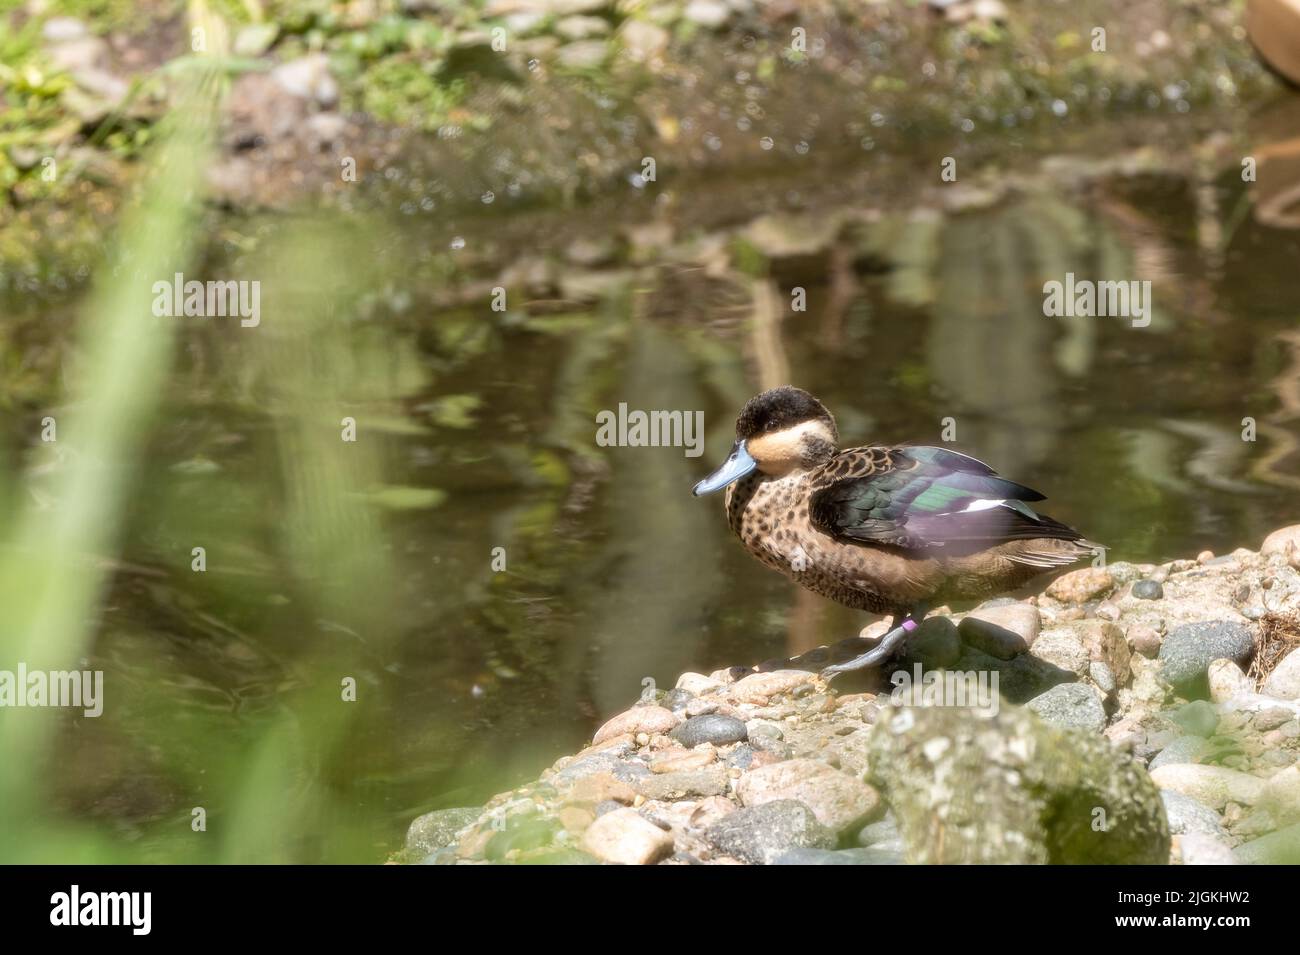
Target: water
(372,561)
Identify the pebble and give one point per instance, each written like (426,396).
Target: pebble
(625,837)
(582,54)
(1148,590)
(1144,640)
(1185,815)
(707,13)
(639,719)
(308,77)
(1083,585)
(762,834)
(712,728)
(643,41)
(1071,705)
(1284,681)
(1214,786)
(837,799)
(1188,651)
(697,683)
(1184,749)
(1002,631)
(1226,681)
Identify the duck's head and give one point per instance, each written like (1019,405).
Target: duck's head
(777,432)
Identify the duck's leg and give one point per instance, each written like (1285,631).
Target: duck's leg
(882,651)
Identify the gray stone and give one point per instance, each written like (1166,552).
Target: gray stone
(1284,681)
(1148,590)
(707,13)
(762,834)
(1199,848)
(1188,651)
(1185,814)
(308,78)
(712,728)
(582,54)
(710,781)
(1071,705)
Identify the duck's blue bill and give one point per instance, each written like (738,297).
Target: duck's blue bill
(737,465)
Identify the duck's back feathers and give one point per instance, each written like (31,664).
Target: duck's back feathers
(934,501)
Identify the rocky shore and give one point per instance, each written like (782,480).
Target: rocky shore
(1144,714)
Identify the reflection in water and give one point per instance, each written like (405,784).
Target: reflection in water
(372,560)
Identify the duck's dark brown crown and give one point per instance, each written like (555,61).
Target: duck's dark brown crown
(778,409)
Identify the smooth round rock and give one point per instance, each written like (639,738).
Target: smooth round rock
(712,728)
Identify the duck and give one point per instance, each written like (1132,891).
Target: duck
(892,530)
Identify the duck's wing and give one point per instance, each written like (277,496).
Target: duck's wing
(923,499)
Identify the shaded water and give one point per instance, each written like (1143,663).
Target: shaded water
(476,430)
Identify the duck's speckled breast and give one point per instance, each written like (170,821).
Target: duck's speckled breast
(770,516)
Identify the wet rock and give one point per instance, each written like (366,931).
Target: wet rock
(710,781)
(1001,631)
(840,857)
(625,837)
(1029,790)
(1148,590)
(837,799)
(1080,586)
(713,728)
(1071,705)
(1185,815)
(1188,651)
(1214,786)
(639,719)
(1184,749)
(762,834)
(1199,848)
(1284,681)
(437,829)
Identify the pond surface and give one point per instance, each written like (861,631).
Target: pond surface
(380,560)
